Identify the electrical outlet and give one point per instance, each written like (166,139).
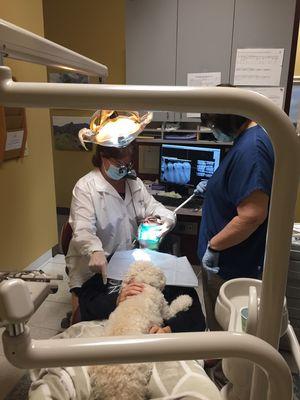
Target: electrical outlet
(186,228)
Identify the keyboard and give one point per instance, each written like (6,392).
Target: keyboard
(196,202)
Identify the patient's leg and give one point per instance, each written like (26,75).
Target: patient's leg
(96,300)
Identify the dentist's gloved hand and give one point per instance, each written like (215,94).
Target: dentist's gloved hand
(164,228)
(210,260)
(201,188)
(98,264)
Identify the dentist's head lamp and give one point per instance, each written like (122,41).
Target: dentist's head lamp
(114,128)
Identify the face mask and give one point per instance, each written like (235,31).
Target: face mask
(221,137)
(116,173)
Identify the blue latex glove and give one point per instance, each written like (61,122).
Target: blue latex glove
(210,261)
(201,188)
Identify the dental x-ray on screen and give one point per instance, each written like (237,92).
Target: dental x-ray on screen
(187,165)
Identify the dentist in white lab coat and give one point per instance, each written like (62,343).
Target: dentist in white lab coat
(107,207)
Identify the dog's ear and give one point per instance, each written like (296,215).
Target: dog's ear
(133,268)
(162,282)
(127,278)
(125,281)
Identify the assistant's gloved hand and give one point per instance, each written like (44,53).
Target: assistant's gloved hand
(201,188)
(98,264)
(210,260)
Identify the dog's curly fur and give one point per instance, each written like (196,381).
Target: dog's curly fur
(135,315)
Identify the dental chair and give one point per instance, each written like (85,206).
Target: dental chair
(65,237)
(73,316)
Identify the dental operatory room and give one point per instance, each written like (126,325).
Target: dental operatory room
(150,200)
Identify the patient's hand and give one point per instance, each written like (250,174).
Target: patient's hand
(159,329)
(132,289)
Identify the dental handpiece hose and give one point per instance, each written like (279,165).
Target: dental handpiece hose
(184,203)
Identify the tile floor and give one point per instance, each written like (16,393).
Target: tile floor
(46,323)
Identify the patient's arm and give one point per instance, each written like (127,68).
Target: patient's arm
(131,289)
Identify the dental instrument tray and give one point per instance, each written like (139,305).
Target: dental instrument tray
(31,275)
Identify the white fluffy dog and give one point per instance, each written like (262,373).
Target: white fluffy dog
(135,315)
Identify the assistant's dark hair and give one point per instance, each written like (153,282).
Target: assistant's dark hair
(227,123)
(111,152)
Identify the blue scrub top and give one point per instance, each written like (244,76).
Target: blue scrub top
(247,167)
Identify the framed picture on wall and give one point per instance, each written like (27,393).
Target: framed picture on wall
(65,131)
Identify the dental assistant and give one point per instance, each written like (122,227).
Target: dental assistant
(107,207)
(235,209)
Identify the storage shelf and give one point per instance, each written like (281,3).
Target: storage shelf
(181,141)
(202,130)
(159,135)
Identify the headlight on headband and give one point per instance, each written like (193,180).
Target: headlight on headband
(114,128)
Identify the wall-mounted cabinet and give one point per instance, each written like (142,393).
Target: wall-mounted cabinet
(203,39)
(167,39)
(151,30)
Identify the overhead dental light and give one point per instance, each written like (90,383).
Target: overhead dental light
(108,127)
(114,128)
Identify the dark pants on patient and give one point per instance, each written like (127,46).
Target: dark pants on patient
(97,302)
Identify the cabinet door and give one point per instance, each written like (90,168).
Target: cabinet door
(151,44)
(204,39)
(264,24)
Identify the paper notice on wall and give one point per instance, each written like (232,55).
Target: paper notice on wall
(258,67)
(202,79)
(14,140)
(148,159)
(276,94)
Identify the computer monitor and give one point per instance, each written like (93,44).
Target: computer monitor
(185,166)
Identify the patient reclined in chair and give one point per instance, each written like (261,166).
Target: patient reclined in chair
(184,380)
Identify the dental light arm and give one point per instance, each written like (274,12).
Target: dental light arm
(20,44)
(19,299)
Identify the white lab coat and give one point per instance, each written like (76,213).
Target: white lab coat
(102,221)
